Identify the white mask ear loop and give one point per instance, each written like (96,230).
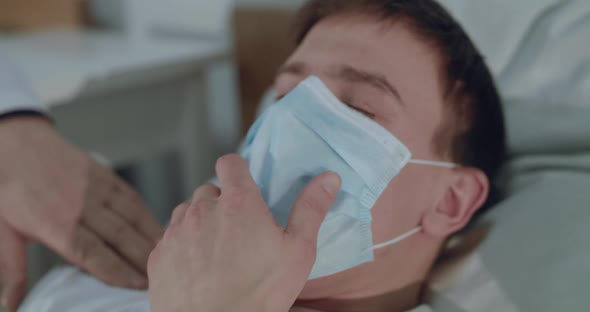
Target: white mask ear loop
(398,239)
(434,163)
(418,229)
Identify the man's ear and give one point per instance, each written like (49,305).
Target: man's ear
(467,191)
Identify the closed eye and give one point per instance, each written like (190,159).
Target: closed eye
(360,110)
(356,108)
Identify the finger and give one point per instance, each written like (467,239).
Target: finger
(118,233)
(13,271)
(107,189)
(178,214)
(127,203)
(206,192)
(90,253)
(311,207)
(234,175)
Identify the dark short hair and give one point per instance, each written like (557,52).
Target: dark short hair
(473,134)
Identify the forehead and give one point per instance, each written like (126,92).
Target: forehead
(392,49)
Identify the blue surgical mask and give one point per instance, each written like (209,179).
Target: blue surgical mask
(309,132)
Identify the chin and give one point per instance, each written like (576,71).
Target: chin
(332,286)
(341,285)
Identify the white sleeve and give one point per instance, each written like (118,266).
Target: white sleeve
(15,93)
(422,308)
(69,290)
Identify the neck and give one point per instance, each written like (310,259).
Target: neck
(397,301)
(389,283)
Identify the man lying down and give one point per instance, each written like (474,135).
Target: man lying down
(394,97)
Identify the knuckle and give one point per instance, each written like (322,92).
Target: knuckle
(132,220)
(127,191)
(204,189)
(135,198)
(311,205)
(225,161)
(120,231)
(307,202)
(235,193)
(318,200)
(85,249)
(240,190)
(236,200)
(197,209)
(199,205)
(324,196)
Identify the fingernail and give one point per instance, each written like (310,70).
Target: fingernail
(331,183)
(139,282)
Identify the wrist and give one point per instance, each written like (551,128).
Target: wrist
(26,129)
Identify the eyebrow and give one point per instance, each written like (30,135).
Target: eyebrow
(374,79)
(296,68)
(351,74)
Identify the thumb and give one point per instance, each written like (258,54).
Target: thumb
(13,271)
(311,207)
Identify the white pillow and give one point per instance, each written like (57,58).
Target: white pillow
(536,256)
(538,50)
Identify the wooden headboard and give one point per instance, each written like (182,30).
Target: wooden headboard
(21,15)
(263,41)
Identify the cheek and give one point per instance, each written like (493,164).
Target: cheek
(285,83)
(416,133)
(402,204)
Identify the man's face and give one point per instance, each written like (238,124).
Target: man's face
(392,76)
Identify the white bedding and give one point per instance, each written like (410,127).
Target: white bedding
(538,50)
(69,290)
